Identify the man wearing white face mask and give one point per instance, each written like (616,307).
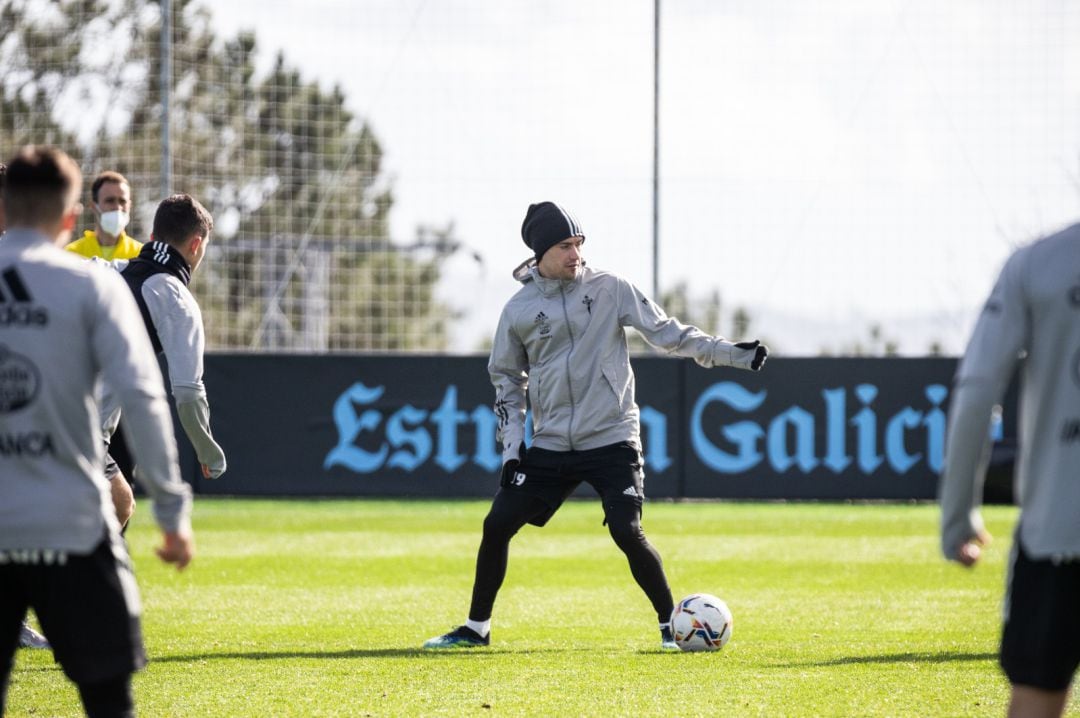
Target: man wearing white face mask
(110,200)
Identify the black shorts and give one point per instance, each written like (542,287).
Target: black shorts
(615,471)
(88,608)
(120,453)
(1040,641)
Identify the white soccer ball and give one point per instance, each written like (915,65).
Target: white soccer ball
(701,622)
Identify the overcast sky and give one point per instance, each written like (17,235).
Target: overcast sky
(827,165)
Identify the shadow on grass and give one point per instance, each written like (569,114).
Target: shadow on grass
(939,657)
(352,653)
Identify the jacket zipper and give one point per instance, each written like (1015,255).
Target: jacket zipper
(569,382)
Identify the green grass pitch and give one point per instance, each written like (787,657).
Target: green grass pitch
(318,608)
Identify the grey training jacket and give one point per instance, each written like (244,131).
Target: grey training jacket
(1034,308)
(66,325)
(564,343)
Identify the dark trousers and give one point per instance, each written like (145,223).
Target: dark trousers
(614,471)
(87,606)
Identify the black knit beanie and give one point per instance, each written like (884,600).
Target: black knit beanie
(546,224)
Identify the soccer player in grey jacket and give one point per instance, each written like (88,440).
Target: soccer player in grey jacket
(28,637)
(562,340)
(1031,320)
(65,327)
(158,278)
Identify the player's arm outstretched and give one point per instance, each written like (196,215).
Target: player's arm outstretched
(664,332)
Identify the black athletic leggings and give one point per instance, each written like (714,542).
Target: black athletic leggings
(108,699)
(513,509)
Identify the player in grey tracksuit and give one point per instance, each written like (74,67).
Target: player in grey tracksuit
(561,340)
(28,637)
(66,326)
(158,278)
(1031,320)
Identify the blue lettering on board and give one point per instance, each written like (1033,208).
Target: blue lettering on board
(844,432)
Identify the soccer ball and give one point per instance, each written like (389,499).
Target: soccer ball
(701,622)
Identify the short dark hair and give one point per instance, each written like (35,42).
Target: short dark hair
(42,183)
(180,216)
(102,178)
(3,171)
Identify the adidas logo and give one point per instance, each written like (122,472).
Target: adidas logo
(542,322)
(15,303)
(630,491)
(161,252)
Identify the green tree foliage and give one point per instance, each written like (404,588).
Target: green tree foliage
(32,61)
(302,257)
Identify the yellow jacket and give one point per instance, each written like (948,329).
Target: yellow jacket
(87,246)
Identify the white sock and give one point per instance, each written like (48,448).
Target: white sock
(481,627)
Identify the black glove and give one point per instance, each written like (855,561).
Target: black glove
(759,356)
(510,468)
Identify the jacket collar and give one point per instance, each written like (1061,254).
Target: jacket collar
(122,240)
(549,287)
(168,258)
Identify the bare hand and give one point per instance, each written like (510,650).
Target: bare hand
(969,553)
(178,548)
